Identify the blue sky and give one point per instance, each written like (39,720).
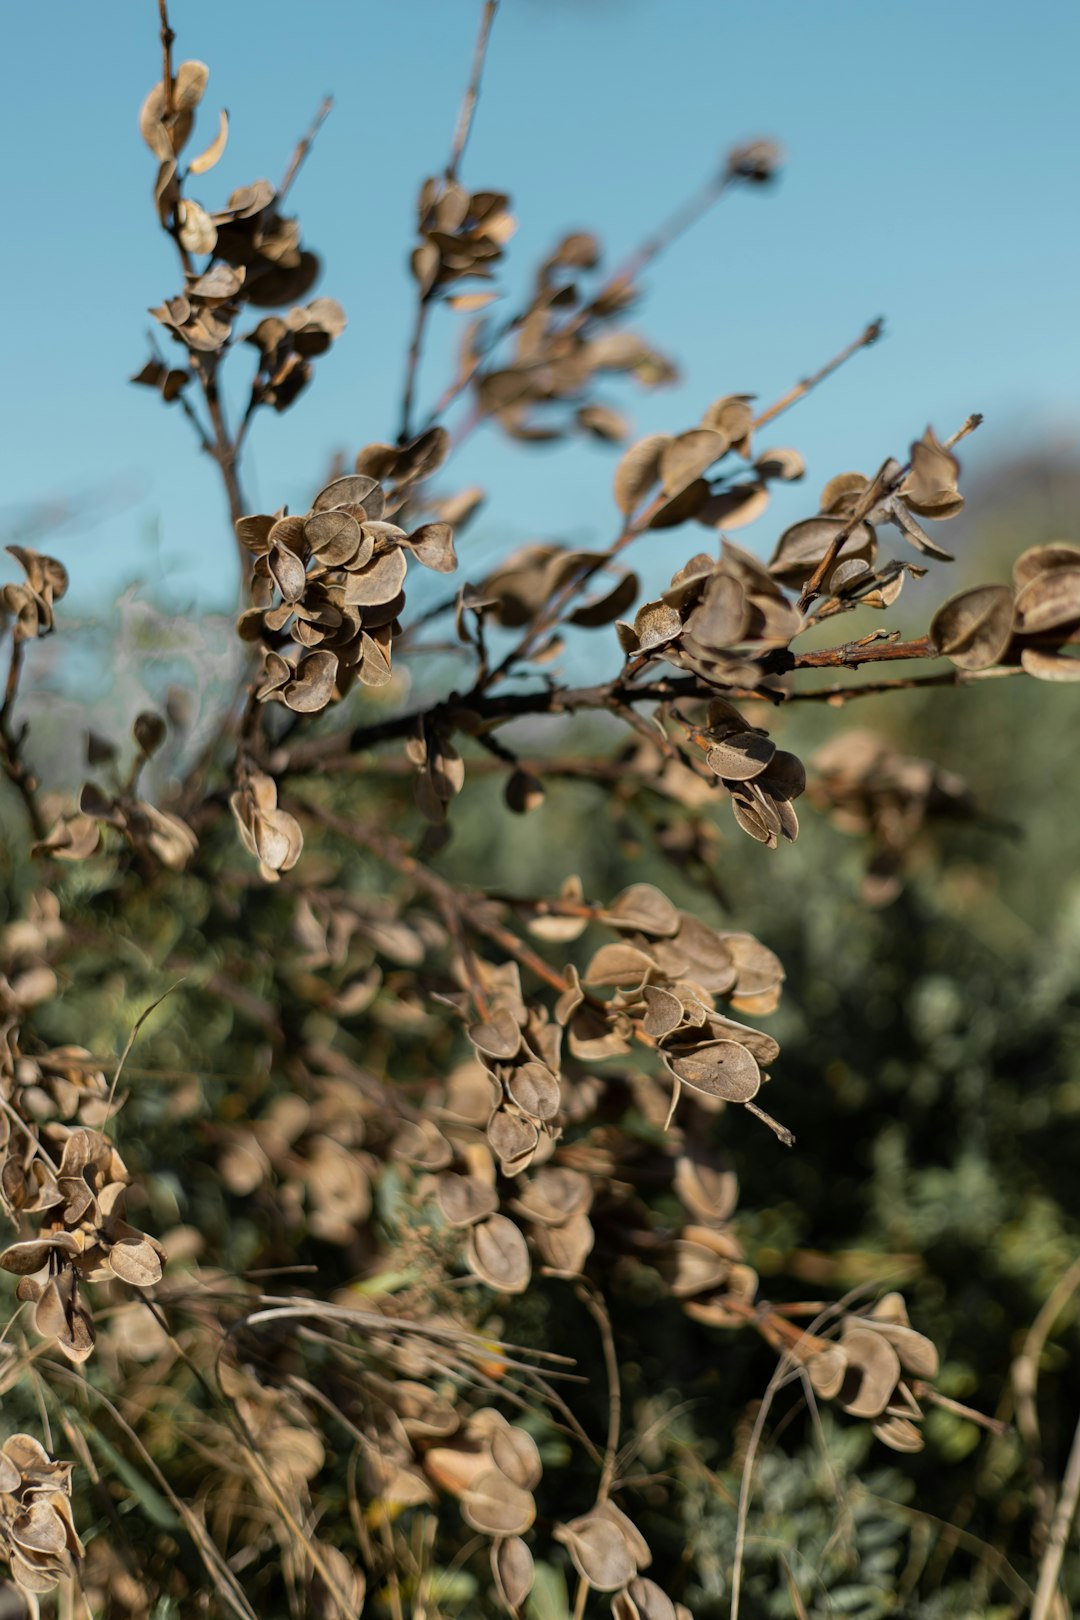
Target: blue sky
(931,178)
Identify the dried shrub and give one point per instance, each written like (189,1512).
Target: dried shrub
(460,1103)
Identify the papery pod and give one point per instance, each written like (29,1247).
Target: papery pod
(514,1453)
(1049,666)
(687,457)
(495,1506)
(639,470)
(513,1571)
(1050,601)
(598,1550)
(1043,559)
(722,1069)
(497,1253)
(805,544)
(642,1600)
(873,1371)
(645,907)
(974,628)
(900,1434)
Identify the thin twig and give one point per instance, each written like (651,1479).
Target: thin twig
(878,489)
(1025,1380)
(412,364)
(457,151)
(1050,1568)
(11,744)
(501,707)
(593,1302)
(472,91)
(677,223)
(801,389)
(167,38)
(303,147)
(126,1053)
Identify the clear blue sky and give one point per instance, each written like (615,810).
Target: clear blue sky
(932,177)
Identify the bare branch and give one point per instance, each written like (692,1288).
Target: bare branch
(303,147)
(472,91)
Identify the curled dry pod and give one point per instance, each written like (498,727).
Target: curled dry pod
(599,1551)
(1050,666)
(566,1248)
(639,470)
(973,628)
(524,792)
(497,1253)
(352,490)
(642,1600)
(619,964)
(1039,559)
(313,685)
(645,907)
(464,1200)
(1050,601)
(741,756)
(433,545)
(495,1506)
(805,544)
(873,1372)
(826,1371)
(514,1453)
(719,1069)
(535,1090)
(688,456)
(664,1012)
(899,1433)
(512,1570)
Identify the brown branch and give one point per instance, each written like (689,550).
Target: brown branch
(223,449)
(801,389)
(497,708)
(871,650)
(470,908)
(1050,1568)
(303,147)
(412,365)
(677,223)
(878,489)
(167,38)
(11,744)
(472,91)
(636,526)
(457,151)
(593,1302)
